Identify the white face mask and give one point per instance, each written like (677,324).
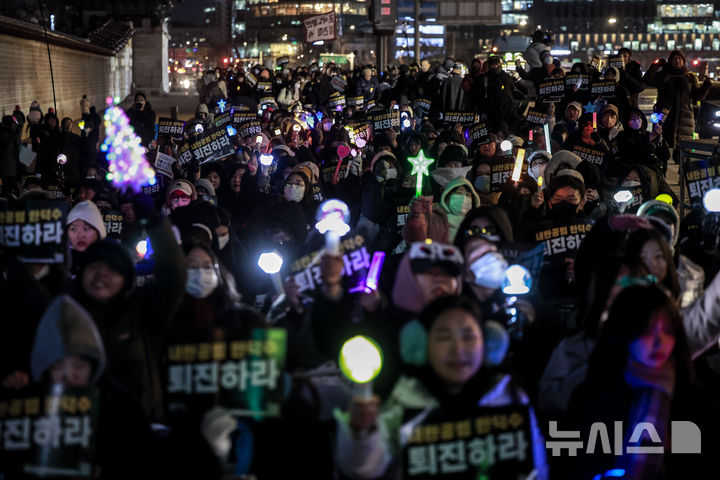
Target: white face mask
(631,183)
(548,60)
(489,270)
(201,282)
(294,193)
(635,124)
(223,241)
(391,173)
(459,204)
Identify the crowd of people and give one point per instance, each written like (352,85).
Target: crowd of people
(620,324)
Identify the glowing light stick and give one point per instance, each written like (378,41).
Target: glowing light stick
(530,136)
(517,280)
(540,182)
(221,105)
(665,198)
(128,168)
(361,362)
(332,217)
(342,151)
(231,130)
(594,121)
(546,129)
(62,159)
(711,200)
(370,283)
(271,263)
(266,159)
(623,199)
(517,169)
(420,167)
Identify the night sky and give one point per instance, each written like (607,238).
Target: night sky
(189,12)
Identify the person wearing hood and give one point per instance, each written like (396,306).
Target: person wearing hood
(609,128)
(370,440)
(131,321)
(638,146)
(452,164)
(380,185)
(216,173)
(678,90)
(539,73)
(206,191)
(297,189)
(68,351)
(458,198)
(540,43)
(202,117)
(643,182)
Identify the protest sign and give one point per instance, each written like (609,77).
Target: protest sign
(172,128)
(242,374)
(163,164)
(478,134)
(356,259)
(356,101)
(483,442)
(535,117)
(551,90)
(337,99)
(338,83)
(592,155)
(222,119)
(242,116)
(463,118)
(563,242)
(34,232)
(603,89)
(502,170)
(421,107)
(700,176)
(579,80)
(113,220)
(320,27)
(48,434)
(211,145)
(616,61)
(383,120)
(248,129)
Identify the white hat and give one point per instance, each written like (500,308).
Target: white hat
(88,212)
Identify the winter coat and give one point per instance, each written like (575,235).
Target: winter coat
(677,89)
(635,147)
(454,221)
(9,153)
(492,95)
(369,89)
(131,324)
(371,455)
(567,367)
(66,329)
(144,123)
(452,96)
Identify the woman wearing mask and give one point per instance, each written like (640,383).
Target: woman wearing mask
(297,189)
(458,198)
(587,137)
(179,194)
(380,186)
(609,128)
(638,146)
(644,183)
(457,373)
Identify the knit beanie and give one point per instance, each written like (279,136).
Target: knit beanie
(88,212)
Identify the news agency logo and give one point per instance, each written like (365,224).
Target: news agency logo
(685,438)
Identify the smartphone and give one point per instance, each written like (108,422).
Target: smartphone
(396,107)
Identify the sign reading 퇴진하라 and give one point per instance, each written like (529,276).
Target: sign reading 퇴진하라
(34,232)
(211,145)
(173,128)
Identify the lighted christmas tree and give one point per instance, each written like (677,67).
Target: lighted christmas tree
(128,168)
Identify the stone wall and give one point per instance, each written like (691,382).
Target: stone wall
(78,67)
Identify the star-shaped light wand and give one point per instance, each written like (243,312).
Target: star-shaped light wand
(420,167)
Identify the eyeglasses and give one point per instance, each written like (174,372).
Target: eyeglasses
(487,231)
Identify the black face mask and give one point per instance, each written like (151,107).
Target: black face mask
(563,211)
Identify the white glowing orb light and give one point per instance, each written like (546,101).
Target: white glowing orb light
(332,217)
(360,142)
(506,145)
(141,248)
(199,128)
(711,200)
(517,280)
(62,159)
(232,131)
(406,123)
(81,125)
(266,159)
(271,263)
(296,128)
(258,139)
(360,359)
(623,196)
